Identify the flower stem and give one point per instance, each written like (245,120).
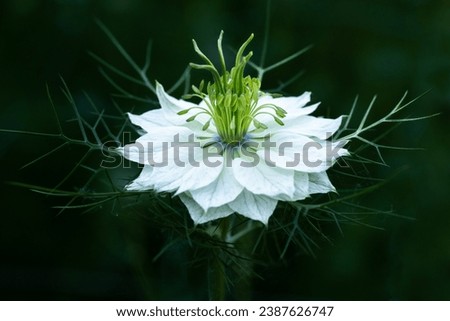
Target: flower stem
(229,273)
(216,279)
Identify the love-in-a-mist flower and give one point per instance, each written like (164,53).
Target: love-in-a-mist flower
(239,150)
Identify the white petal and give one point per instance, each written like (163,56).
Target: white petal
(321,128)
(142,182)
(179,162)
(301,186)
(154,147)
(259,178)
(320,183)
(200,176)
(150,119)
(186,170)
(167,178)
(172,106)
(200,216)
(297,152)
(294,106)
(221,191)
(287,103)
(301,183)
(255,207)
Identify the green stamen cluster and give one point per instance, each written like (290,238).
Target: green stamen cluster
(231,99)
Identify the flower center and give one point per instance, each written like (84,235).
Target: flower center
(231,98)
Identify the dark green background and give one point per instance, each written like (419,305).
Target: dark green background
(363,48)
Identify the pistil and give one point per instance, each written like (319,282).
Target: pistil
(231,99)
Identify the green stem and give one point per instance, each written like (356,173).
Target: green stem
(216,269)
(221,267)
(216,279)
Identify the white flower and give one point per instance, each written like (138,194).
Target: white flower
(238,151)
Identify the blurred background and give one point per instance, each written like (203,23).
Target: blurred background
(363,48)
